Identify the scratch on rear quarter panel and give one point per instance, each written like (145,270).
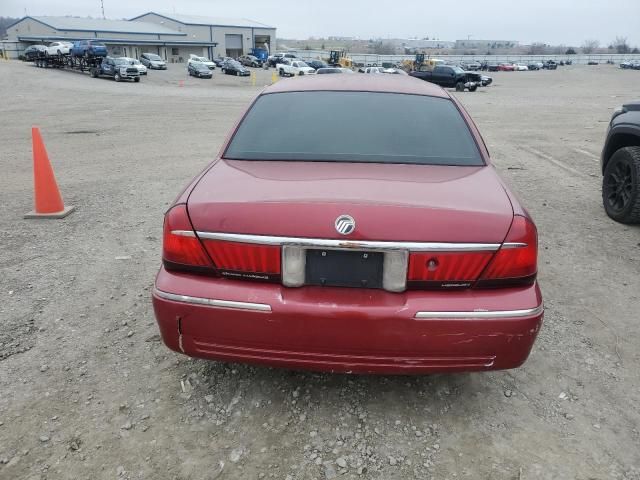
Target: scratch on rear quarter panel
(179,320)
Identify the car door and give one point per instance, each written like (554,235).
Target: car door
(108,66)
(444,76)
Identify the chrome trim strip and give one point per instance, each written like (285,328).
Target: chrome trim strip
(529,312)
(211,302)
(513,245)
(184,233)
(364,244)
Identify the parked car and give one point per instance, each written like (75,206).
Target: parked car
(198,69)
(592,62)
(550,65)
(202,60)
(250,61)
(316,64)
(493,67)
(449,76)
(626,64)
(519,67)
(620,162)
(471,66)
(506,67)
(142,70)
(34,51)
(58,48)
(233,67)
(153,61)
(89,48)
(326,70)
(117,68)
(533,66)
(485,80)
(219,60)
(291,68)
(394,71)
(298,252)
(278,57)
(371,70)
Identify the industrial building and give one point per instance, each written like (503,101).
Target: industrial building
(485,44)
(172,36)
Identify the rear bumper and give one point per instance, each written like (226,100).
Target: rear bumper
(347,330)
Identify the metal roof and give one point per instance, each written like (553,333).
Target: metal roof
(53,38)
(101,25)
(209,21)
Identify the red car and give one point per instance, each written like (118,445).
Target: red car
(351,224)
(506,67)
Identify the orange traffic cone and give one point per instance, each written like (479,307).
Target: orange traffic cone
(48,201)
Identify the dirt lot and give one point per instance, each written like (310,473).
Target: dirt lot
(87,390)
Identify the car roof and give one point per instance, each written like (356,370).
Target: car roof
(359,83)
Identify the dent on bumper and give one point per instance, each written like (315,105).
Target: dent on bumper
(347,330)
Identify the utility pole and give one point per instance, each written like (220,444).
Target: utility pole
(102,7)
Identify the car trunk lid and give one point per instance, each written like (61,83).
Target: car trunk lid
(389,202)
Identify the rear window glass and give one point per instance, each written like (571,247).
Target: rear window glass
(354,127)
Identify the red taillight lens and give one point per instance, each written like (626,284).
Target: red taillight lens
(180,246)
(439,268)
(244,257)
(517,260)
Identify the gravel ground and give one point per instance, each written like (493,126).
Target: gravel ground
(87,390)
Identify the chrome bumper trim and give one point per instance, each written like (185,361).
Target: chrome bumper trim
(211,302)
(529,312)
(331,243)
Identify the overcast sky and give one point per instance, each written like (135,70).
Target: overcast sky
(568,22)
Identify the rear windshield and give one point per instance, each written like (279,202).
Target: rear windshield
(354,127)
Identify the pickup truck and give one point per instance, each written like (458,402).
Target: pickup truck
(449,76)
(273,60)
(291,68)
(116,68)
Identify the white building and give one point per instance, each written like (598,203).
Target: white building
(172,37)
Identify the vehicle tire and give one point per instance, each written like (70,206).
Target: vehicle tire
(223,70)
(137,79)
(621,185)
(117,77)
(94,73)
(237,73)
(59,53)
(473,89)
(460,87)
(281,72)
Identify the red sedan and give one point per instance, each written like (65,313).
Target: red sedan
(351,225)
(506,67)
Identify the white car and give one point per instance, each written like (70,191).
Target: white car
(520,68)
(203,60)
(142,70)
(290,68)
(373,70)
(58,48)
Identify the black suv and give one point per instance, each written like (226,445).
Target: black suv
(620,163)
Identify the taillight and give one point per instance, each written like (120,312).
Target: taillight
(516,263)
(181,249)
(244,257)
(446,269)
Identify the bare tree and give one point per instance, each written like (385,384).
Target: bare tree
(621,45)
(537,48)
(559,49)
(589,46)
(383,48)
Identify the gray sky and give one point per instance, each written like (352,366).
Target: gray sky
(568,22)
